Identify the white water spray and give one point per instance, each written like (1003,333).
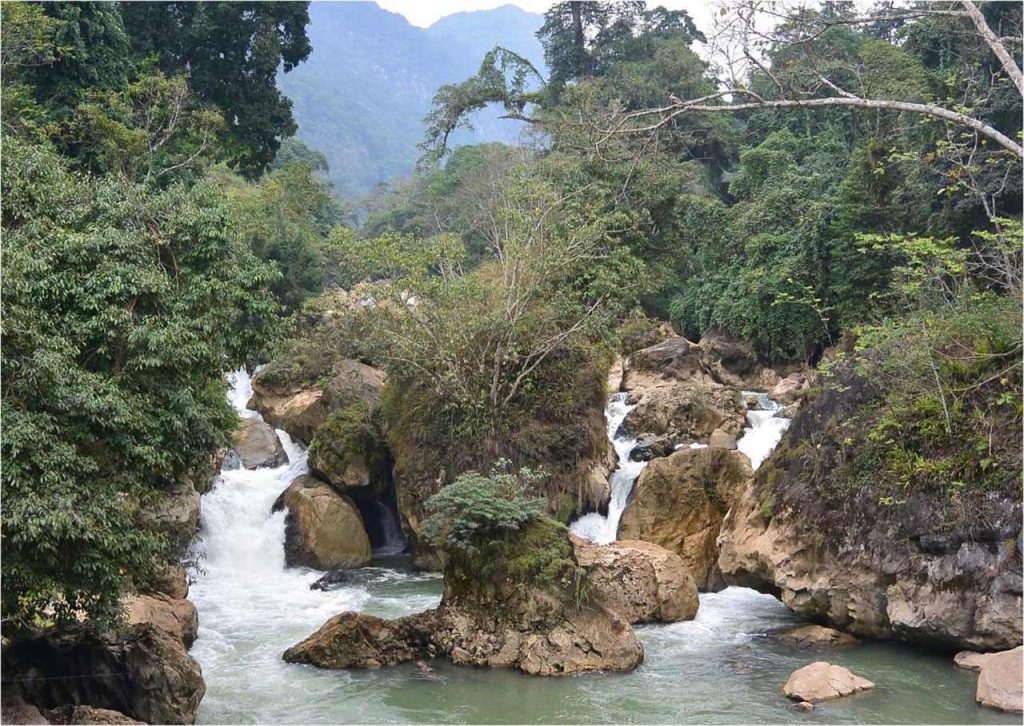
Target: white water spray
(764,430)
(595,526)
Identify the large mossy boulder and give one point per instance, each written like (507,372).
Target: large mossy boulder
(257,445)
(924,557)
(679,502)
(348,451)
(521,603)
(323,529)
(641,581)
(293,397)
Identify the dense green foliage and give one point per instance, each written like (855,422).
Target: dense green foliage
(130,282)
(477,508)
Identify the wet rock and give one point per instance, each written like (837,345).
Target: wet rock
(500,616)
(809,636)
(323,529)
(719,439)
(971,661)
(148,674)
(175,616)
(1001,681)
(803,706)
(89,715)
(257,445)
(231,461)
(640,581)
(821,681)
(332,580)
(651,447)
(680,501)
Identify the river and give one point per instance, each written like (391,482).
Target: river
(719,668)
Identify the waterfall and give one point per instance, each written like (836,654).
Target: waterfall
(763,431)
(594,526)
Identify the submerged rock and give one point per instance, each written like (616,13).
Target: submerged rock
(522,607)
(680,501)
(1001,681)
(333,579)
(257,445)
(822,681)
(323,529)
(971,661)
(641,581)
(809,636)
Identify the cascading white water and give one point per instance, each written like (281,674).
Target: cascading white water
(594,526)
(251,607)
(764,430)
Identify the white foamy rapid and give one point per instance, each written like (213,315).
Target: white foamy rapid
(594,526)
(763,431)
(251,607)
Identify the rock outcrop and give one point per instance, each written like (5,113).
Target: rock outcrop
(177,617)
(520,606)
(1001,681)
(680,502)
(145,674)
(323,529)
(812,528)
(677,395)
(257,446)
(89,715)
(823,681)
(641,581)
(300,406)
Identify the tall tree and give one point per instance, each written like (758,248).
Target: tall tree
(232,52)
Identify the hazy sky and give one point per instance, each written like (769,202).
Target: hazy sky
(425,12)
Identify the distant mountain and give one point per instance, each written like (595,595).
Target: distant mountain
(361,97)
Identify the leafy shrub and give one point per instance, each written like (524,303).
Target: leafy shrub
(478,507)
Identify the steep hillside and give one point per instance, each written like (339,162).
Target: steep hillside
(360,97)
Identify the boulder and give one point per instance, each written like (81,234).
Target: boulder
(177,617)
(788,389)
(970,660)
(719,439)
(651,447)
(1001,681)
(149,675)
(301,406)
(730,360)
(257,445)
(323,529)
(90,715)
(332,580)
(172,580)
(821,681)
(16,711)
(673,358)
(523,610)
(348,451)
(640,581)
(684,410)
(680,501)
(811,636)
